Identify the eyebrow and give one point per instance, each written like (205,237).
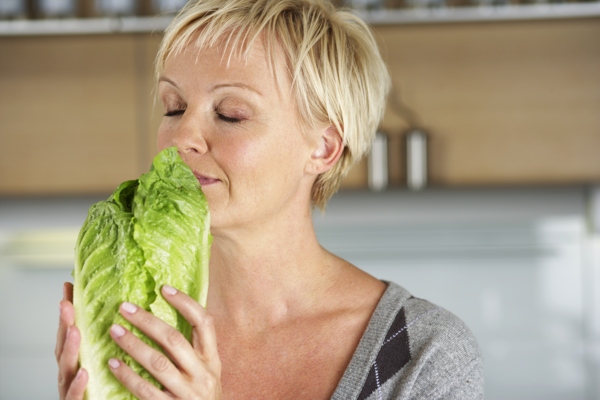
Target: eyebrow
(163,78)
(238,85)
(219,86)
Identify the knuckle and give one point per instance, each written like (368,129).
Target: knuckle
(160,362)
(217,366)
(175,338)
(144,390)
(64,381)
(130,344)
(208,320)
(61,379)
(62,354)
(209,383)
(146,318)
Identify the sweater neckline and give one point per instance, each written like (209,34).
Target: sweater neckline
(389,305)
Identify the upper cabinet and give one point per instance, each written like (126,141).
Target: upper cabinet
(503,101)
(70,118)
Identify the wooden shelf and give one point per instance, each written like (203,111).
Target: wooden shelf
(92,26)
(483,13)
(114,25)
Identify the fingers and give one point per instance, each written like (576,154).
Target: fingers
(68,364)
(204,338)
(77,389)
(151,359)
(71,383)
(186,369)
(68,291)
(139,387)
(66,318)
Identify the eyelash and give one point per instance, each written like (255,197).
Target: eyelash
(224,118)
(229,120)
(174,113)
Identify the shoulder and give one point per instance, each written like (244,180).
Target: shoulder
(445,357)
(424,352)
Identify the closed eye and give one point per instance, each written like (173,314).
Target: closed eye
(174,113)
(230,120)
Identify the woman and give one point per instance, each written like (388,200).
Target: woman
(270,103)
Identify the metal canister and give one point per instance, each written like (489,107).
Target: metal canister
(378,162)
(168,6)
(116,7)
(416,159)
(56,8)
(13,9)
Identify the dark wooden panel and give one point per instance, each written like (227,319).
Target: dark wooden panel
(505,103)
(67,114)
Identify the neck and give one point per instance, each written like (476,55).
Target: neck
(259,275)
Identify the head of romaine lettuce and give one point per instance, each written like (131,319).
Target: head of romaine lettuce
(152,231)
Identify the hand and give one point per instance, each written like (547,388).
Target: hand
(71,382)
(188,371)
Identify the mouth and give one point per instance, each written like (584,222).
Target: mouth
(205,180)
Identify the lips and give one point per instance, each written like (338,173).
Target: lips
(205,180)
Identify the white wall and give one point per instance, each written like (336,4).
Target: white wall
(519,266)
(513,264)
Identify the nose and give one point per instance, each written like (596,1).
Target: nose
(188,136)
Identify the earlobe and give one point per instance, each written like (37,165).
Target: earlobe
(328,151)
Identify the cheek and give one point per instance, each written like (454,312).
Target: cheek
(162,138)
(238,157)
(161,144)
(250,164)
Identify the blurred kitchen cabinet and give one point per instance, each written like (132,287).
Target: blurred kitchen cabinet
(504,103)
(71,115)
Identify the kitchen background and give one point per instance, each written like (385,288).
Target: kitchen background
(482,193)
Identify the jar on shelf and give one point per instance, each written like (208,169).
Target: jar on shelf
(111,8)
(416,159)
(378,162)
(56,8)
(168,6)
(363,5)
(10,9)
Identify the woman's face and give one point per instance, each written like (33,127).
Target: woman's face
(238,130)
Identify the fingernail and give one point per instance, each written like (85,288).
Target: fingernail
(117,330)
(169,290)
(128,307)
(68,332)
(114,363)
(79,373)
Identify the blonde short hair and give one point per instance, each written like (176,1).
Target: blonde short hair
(337,72)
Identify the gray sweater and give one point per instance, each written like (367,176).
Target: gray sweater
(413,350)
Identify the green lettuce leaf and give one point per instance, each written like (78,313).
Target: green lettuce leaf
(151,232)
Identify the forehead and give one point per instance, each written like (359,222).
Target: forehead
(257,61)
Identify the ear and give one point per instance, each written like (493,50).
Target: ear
(328,151)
